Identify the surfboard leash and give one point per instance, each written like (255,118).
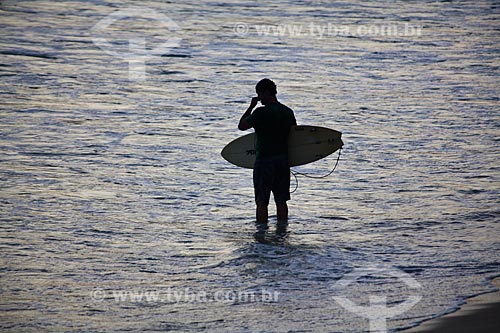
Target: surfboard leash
(295,173)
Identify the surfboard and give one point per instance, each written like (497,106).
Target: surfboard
(306,144)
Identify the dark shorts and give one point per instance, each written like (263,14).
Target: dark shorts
(271,175)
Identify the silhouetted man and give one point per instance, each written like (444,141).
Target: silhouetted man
(271,173)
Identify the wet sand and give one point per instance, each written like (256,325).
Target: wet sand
(480,314)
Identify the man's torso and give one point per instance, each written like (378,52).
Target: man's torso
(272,125)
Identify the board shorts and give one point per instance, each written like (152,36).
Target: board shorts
(271,174)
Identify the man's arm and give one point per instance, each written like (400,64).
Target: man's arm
(243,124)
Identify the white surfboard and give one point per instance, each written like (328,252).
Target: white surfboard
(306,144)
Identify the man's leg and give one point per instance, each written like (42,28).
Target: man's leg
(262,213)
(262,178)
(282,211)
(281,190)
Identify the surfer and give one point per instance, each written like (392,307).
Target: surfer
(271,173)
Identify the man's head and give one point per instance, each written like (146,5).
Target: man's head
(266,91)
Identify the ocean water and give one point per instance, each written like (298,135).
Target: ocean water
(118,213)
